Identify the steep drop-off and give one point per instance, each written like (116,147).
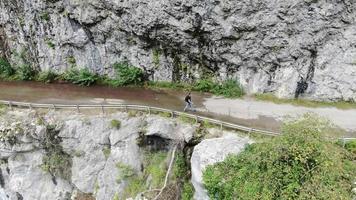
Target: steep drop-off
(302,48)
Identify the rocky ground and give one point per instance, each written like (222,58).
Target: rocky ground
(65,155)
(302,47)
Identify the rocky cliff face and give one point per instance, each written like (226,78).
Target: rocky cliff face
(291,48)
(68,156)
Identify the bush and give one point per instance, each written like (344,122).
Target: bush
(188,191)
(6,70)
(205,85)
(351,146)
(127,75)
(300,164)
(81,77)
(115,124)
(46,77)
(229,88)
(25,73)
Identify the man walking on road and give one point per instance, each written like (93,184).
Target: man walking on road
(189,103)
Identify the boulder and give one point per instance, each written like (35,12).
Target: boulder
(211,151)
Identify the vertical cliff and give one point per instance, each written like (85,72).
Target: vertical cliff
(292,48)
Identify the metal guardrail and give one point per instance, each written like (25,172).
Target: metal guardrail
(148,109)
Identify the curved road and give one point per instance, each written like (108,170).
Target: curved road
(248,112)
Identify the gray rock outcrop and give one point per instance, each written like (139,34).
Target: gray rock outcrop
(292,48)
(211,151)
(98,153)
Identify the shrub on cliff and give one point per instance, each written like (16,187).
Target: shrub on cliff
(81,77)
(46,77)
(127,75)
(229,88)
(5,69)
(300,164)
(25,73)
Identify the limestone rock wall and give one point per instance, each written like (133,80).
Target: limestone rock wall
(95,148)
(268,45)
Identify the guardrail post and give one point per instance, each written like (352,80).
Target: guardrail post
(30,106)
(172,114)
(343,142)
(10,105)
(196,118)
(125,108)
(149,110)
(221,126)
(54,107)
(102,109)
(78,110)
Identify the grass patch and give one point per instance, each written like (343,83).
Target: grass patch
(188,191)
(165,114)
(156,167)
(126,172)
(115,124)
(305,103)
(300,164)
(351,146)
(106,151)
(186,119)
(181,173)
(132,113)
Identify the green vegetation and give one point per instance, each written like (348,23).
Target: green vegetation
(25,73)
(188,191)
(71,60)
(46,77)
(115,124)
(229,88)
(55,161)
(186,119)
(106,151)
(45,16)
(125,172)
(154,167)
(5,69)
(116,197)
(156,54)
(351,146)
(169,85)
(300,164)
(181,172)
(81,77)
(165,114)
(304,102)
(132,113)
(127,75)
(50,44)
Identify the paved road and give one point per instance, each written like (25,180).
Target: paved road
(248,112)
